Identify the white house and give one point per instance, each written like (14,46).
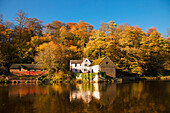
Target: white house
(86,66)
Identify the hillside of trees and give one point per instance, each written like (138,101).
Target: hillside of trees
(27,40)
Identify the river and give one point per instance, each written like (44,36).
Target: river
(133,97)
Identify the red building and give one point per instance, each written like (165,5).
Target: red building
(26,69)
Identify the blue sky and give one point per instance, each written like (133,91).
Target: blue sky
(144,13)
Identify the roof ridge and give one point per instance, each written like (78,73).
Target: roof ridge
(97,61)
(103,59)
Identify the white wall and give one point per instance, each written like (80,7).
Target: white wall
(83,67)
(74,68)
(95,68)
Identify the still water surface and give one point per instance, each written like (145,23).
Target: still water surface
(143,97)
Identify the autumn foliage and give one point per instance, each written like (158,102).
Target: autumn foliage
(54,44)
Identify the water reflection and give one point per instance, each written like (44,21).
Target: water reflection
(57,98)
(24,90)
(85,92)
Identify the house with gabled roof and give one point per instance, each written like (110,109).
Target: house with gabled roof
(104,64)
(80,66)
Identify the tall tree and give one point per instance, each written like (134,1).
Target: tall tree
(46,58)
(52,56)
(96,47)
(156,48)
(20,19)
(129,44)
(34,26)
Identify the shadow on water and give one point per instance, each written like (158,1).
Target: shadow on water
(150,96)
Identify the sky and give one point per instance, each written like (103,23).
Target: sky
(143,13)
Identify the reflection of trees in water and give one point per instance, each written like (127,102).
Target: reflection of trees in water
(55,102)
(19,97)
(26,90)
(129,97)
(141,97)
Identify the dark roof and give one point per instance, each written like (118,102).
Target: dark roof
(25,66)
(76,61)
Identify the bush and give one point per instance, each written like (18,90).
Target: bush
(63,76)
(3,78)
(43,79)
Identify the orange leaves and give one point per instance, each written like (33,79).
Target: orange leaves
(152,29)
(55,25)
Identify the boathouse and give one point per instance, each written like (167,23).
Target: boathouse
(26,69)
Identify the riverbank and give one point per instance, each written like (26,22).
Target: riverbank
(156,78)
(47,79)
(41,79)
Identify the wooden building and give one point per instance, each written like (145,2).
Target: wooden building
(86,66)
(26,69)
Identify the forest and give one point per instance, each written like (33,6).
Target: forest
(53,45)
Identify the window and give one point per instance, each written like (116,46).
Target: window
(107,62)
(34,69)
(76,70)
(85,64)
(75,65)
(85,69)
(86,60)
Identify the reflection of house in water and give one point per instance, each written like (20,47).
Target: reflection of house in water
(85,92)
(109,95)
(106,94)
(24,90)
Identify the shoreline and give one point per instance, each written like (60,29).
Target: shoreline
(116,80)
